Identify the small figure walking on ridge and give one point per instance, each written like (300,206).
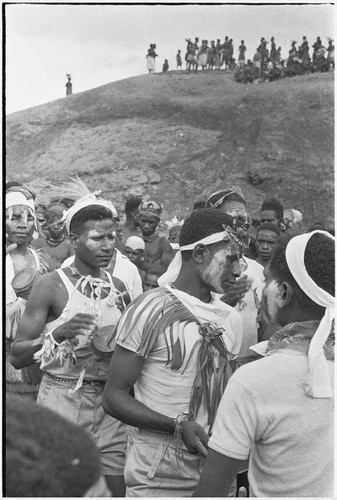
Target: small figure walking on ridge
(69,85)
(165,66)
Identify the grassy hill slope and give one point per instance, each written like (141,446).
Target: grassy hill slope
(177,137)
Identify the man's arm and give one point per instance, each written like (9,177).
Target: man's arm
(162,264)
(40,303)
(125,369)
(218,475)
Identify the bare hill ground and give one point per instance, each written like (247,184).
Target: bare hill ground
(178,137)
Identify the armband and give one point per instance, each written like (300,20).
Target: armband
(63,352)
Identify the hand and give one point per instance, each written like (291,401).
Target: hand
(79,324)
(10,247)
(236,291)
(194,437)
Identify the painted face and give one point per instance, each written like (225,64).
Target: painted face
(20,224)
(271,296)
(134,255)
(266,242)
(221,266)
(174,235)
(235,209)
(96,243)
(148,224)
(269,216)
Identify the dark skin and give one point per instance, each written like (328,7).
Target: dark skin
(148,225)
(220,470)
(93,248)
(127,366)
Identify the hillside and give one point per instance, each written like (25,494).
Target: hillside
(177,137)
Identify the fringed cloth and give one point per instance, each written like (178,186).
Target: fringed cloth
(297,337)
(213,368)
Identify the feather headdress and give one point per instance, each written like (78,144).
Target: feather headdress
(76,189)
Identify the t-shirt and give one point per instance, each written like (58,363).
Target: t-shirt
(265,414)
(159,387)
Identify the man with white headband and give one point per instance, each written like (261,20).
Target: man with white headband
(69,327)
(278,412)
(23,265)
(175,346)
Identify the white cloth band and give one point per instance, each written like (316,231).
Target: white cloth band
(84,202)
(16,198)
(208,240)
(174,268)
(317,384)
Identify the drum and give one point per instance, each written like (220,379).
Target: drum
(23,281)
(104,340)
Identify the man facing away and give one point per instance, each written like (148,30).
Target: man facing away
(68,326)
(278,412)
(175,345)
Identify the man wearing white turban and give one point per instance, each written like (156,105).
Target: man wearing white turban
(278,412)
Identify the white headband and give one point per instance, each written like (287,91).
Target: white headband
(16,198)
(317,384)
(174,268)
(86,201)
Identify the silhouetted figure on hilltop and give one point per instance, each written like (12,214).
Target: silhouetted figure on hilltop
(69,85)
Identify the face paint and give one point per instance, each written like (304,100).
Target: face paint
(221,268)
(271,300)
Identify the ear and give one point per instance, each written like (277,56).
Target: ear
(198,253)
(286,293)
(73,239)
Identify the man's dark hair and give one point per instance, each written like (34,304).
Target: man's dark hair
(199,204)
(319,260)
(274,205)
(92,212)
(46,455)
(230,197)
(132,204)
(270,227)
(202,223)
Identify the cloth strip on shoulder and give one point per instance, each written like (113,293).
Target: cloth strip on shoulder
(317,383)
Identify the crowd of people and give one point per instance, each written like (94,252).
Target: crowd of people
(267,63)
(194,361)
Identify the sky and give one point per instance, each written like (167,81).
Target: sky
(102,43)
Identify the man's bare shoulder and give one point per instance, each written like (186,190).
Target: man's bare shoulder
(49,282)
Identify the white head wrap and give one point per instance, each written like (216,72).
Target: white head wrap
(317,384)
(135,243)
(14,198)
(174,268)
(87,201)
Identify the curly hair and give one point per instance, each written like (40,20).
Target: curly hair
(92,212)
(132,204)
(274,205)
(270,227)
(202,223)
(46,455)
(319,260)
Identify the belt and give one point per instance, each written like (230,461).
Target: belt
(72,381)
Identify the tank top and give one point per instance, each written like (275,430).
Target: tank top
(96,365)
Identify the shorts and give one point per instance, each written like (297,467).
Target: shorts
(153,470)
(84,407)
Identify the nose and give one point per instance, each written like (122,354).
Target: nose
(236,269)
(265,245)
(108,244)
(22,224)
